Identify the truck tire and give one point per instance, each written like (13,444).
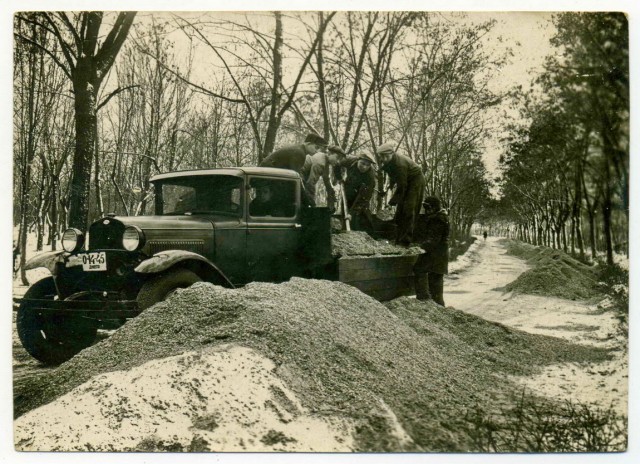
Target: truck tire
(52,338)
(159,288)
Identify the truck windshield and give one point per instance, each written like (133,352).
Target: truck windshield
(219,194)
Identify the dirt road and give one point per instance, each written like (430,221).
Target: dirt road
(477,289)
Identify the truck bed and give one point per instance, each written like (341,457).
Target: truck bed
(383,277)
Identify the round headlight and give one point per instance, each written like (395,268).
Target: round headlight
(72,240)
(132,238)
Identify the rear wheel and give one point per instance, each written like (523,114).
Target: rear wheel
(51,338)
(161,287)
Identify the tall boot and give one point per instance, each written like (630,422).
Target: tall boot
(421,282)
(436,287)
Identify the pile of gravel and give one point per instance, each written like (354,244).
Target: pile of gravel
(358,243)
(554,273)
(410,363)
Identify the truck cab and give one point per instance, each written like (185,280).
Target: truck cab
(224,226)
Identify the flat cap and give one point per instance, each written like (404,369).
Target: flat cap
(386,148)
(336,149)
(365,155)
(433,202)
(316,139)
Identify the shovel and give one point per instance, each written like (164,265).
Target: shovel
(345,210)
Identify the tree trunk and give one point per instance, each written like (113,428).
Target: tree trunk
(592,233)
(606,216)
(322,95)
(86,123)
(98,187)
(577,205)
(276,92)
(573,236)
(53,232)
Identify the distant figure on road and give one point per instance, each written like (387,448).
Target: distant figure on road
(431,266)
(484,234)
(408,179)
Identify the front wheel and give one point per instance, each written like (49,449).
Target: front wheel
(51,338)
(159,288)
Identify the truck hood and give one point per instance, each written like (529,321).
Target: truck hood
(190,222)
(166,222)
(165,230)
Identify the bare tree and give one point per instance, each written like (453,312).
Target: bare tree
(86,60)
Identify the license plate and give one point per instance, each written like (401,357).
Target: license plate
(94,261)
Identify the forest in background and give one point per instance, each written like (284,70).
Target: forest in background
(102,101)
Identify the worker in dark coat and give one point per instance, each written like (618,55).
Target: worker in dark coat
(408,179)
(359,185)
(433,264)
(293,156)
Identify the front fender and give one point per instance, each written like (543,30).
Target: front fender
(48,259)
(163,260)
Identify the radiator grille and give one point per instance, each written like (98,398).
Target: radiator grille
(106,234)
(196,246)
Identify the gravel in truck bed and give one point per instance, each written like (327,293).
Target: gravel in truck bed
(358,243)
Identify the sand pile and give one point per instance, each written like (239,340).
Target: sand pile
(222,398)
(375,378)
(357,243)
(554,273)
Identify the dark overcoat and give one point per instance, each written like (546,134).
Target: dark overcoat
(406,175)
(356,181)
(288,157)
(433,233)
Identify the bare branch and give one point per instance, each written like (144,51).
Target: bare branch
(203,90)
(113,94)
(64,46)
(47,51)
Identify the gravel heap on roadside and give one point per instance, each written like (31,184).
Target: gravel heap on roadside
(410,366)
(554,273)
(358,243)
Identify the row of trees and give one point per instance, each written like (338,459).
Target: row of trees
(102,103)
(566,172)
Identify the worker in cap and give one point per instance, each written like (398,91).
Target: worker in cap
(407,178)
(359,184)
(318,166)
(294,156)
(433,231)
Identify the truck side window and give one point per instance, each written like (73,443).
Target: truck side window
(272,198)
(179,198)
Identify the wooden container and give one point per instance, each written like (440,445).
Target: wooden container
(383,277)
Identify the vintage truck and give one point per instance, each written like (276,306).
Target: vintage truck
(224,226)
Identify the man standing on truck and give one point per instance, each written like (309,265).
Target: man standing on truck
(294,156)
(359,186)
(409,182)
(433,264)
(318,166)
